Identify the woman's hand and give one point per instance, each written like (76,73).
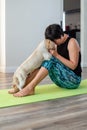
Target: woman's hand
(54,53)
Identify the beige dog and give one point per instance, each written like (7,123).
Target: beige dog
(34,61)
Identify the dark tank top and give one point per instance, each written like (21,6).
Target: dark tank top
(63,51)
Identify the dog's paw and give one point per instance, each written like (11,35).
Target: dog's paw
(13,90)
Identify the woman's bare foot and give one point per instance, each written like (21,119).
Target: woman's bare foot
(13,90)
(24,92)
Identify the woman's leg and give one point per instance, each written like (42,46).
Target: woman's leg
(30,88)
(30,77)
(28,80)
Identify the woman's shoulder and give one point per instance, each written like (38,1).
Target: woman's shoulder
(73,43)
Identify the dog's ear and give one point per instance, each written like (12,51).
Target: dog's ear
(47,43)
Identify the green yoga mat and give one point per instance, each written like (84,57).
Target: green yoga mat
(43,92)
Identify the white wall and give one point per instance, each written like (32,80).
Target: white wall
(84,32)
(0,32)
(2,35)
(26,21)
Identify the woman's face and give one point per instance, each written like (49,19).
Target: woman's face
(59,41)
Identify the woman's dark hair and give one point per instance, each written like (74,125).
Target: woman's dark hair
(53,32)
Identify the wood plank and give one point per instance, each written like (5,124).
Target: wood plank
(68,113)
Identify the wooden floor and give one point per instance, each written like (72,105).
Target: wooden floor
(59,114)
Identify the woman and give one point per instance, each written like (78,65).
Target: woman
(64,68)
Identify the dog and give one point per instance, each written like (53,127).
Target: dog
(33,62)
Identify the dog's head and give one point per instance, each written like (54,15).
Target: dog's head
(50,45)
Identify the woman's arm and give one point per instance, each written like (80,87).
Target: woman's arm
(73,49)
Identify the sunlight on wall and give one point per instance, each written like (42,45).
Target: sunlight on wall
(2,36)
(63,21)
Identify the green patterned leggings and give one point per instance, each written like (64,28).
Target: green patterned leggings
(61,75)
